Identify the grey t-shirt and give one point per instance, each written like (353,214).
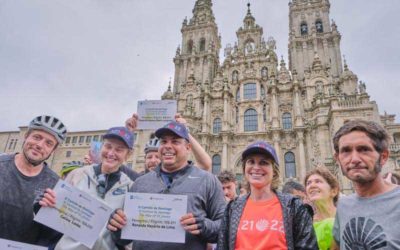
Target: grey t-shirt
(368,223)
(17,194)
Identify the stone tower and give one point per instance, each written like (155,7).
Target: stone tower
(197,60)
(310,33)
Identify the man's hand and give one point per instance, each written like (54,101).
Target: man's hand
(180,119)
(117,220)
(192,224)
(132,122)
(48,199)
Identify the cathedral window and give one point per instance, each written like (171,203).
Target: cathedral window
(319,27)
(303,29)
(290,165)
(250,91)
(216,164)
(264,72)
(202,44)
(190,46)
(265,113)
(250,120)
(237,115)
(217,125)
(235,76)
(287,121)
(262,92)
(189,101)
(238,95)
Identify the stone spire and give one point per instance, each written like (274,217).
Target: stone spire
(202,12)
(168,95)
(249,20)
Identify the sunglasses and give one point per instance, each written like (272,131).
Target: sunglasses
(102,186)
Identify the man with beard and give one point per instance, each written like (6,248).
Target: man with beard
(366,219)
(23,177)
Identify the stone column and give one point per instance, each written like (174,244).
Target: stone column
(302,155)
(274,108)
(224,160)
(276,139)
(205,128)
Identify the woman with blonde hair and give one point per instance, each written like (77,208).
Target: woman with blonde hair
(322,190)
(265,218)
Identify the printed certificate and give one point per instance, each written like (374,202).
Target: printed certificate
(155,114)
(77,214)
(14,245)
(154,217)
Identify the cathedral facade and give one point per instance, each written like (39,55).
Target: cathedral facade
(253,95)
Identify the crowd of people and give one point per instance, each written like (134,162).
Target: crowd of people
(222,213)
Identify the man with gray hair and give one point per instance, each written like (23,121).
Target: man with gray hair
(366,219)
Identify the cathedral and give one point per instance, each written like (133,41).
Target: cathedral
(253,95)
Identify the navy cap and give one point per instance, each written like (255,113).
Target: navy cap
(121,133)
(260,147)
(173,127)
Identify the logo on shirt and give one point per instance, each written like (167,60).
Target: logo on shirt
(118,191)
(361,233)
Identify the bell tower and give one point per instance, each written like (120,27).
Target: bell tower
(311,32)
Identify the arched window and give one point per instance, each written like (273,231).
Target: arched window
(189,101)
(303,28)
(262,92)
(287,121)
(238,95)
(250,91)
(290,165)
(217,126)
(216,164)
(264,72)
(202,44)
(190,46)
(235,76)
(318,26)
(250,120)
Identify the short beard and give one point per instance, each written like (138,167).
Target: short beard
(377,170)
(31,161)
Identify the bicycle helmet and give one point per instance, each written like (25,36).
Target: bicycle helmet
(69,166)
(152,145)
(51,125)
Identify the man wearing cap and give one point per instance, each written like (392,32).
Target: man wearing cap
(176,175)
(24,176)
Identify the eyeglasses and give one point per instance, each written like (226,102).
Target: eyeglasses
(101,187)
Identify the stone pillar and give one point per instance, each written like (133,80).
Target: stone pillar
(205,128)
(302,155)
(276,139)
(274,108)
(224,160)
(298,116)
(226,113)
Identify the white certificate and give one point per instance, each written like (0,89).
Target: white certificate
(155,114)
(77,214)
(154,217)
(14,245)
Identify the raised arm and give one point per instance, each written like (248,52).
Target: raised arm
(203,160)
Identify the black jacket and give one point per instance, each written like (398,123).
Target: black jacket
(297,221)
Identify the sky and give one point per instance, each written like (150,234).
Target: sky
(88,62)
